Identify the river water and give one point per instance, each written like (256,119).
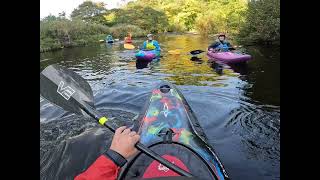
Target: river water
(238,106)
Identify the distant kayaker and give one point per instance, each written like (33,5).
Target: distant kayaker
(109,39)
(108,165)
(151,44)
(128,38)
(221,44)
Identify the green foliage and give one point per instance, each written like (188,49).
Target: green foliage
(121,30)
(90,12)
(263,22)
(56,32)
(146,18)
(257,21)
(205,16)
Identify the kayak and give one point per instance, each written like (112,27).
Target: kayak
(168,126)
(147,55)
(229,57)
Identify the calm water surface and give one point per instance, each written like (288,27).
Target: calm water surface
(238,106)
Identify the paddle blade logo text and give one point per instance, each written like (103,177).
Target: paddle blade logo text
(65,92)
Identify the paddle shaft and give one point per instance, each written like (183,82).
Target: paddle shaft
(93,113)
(231,48)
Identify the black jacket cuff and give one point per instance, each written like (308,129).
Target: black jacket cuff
(117,158)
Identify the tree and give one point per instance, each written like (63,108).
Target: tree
(262,22)
(62,14)
(90,12)
(144,17)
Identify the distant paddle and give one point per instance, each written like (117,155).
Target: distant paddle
(174,52)
(196,52)
(70,91)
(128,46)
(199,51)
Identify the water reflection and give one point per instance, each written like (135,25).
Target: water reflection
(241,116)
(142,64)
(196,59)
(218,67)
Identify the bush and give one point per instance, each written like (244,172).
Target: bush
(262,22)
(121,30)
(61,32)
(144,17)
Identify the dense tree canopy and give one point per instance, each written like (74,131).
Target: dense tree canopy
(89,12)
(263,21)
(255,20)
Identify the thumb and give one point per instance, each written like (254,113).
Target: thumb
(135,138)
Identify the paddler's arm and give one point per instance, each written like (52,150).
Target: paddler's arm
(108,165)
(229,44)
(156,44)
(144,46)
(213,45)
(102,168)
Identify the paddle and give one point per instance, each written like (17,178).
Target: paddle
(196,52)
(128,46)
(199,51)
(70,91)
(174,52)
(178,52)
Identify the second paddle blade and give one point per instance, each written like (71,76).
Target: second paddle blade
(174,52)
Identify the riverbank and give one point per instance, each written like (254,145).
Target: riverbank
(59,33)
(120,32)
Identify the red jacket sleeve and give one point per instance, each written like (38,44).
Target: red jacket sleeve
(102,169)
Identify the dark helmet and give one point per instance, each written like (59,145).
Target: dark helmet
(222,34)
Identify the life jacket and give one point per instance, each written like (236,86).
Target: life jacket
(223,46)
(128,39)
(150,45)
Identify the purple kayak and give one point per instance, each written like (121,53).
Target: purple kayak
(147,55)
(228,57)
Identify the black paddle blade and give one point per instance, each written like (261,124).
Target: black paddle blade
(66,89)
(195,52)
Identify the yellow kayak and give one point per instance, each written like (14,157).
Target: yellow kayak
(128,46)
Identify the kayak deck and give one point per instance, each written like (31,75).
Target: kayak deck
(168,121)
(229,57)
(147,55)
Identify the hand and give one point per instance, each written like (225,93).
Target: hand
(123,142)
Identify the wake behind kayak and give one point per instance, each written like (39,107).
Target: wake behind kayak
(168,126)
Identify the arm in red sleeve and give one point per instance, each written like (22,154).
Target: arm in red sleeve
(102,169)
(106,167)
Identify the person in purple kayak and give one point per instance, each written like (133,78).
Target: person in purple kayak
(221,44)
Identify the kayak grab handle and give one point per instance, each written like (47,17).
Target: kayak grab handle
(163,161)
